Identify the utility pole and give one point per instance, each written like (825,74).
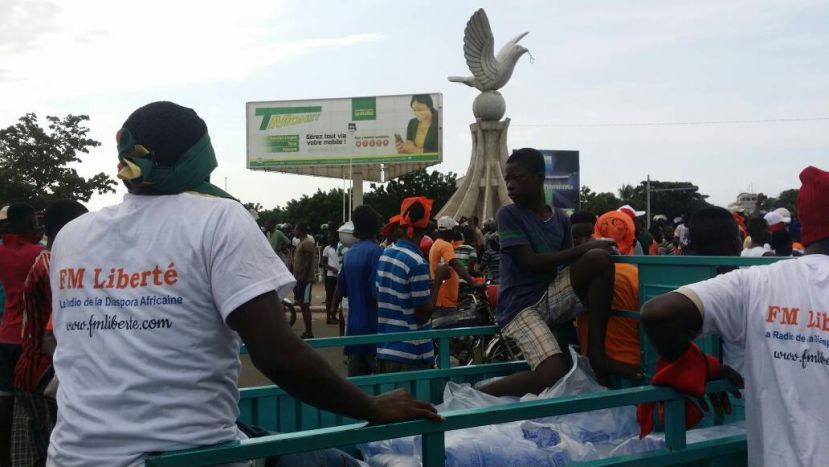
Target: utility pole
(648,202)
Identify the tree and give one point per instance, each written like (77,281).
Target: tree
(326,207)
(34,162)
(597,203)
(787,199)
(323,207)
(683,201)
(386,198)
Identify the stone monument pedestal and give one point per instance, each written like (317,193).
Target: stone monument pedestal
(482,190)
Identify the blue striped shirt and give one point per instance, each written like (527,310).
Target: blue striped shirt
(403,283)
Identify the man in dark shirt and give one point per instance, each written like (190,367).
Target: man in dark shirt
(546,281)
(304,275)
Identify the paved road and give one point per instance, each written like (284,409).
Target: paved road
(250,376)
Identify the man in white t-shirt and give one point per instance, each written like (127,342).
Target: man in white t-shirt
(150,299)
(779,315)
(331,265)
(758,231)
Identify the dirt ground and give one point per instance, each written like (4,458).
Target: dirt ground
(250,376)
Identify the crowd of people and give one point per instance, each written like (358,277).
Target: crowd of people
(120,334)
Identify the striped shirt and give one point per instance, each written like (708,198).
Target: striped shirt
(466,254)
(37,308)
(403,283)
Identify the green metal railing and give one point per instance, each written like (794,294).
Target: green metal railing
(433,453)
(443,336)
(275,410)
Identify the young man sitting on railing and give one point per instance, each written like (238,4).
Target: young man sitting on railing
(778,316)
(151,297)
(545,281)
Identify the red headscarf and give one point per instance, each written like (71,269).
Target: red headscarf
(394,221)
(405,208)
(617,225)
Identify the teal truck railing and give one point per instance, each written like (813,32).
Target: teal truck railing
(433,433)
(443,336)
(305,428)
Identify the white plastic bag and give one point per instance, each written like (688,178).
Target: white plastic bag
(550,441)
(598,426)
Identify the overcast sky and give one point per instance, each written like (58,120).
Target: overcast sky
(595,63)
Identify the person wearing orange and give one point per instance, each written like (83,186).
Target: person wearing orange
(443,252)
(622,337)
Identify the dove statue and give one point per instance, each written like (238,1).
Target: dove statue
(490,72)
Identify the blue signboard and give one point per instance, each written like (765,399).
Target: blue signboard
(561,181)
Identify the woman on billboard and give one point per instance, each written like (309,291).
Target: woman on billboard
(422,131)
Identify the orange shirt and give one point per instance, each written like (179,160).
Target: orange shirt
(441,253)
(622,338)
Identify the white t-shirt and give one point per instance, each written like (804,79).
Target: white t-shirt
(331,258)
(779,315)
(681,232)
(141,292)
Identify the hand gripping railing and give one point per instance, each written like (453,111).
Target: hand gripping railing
(433,449)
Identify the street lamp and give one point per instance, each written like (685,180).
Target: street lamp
(649,190)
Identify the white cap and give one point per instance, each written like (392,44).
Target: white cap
(773,218)
(785,214)
(446,223)
(4,213)
(348,227)
(346,234)
(629,209)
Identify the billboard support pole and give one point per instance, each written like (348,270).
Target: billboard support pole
(357,188)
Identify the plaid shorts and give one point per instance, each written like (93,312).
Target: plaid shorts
(32,423)
(530,328)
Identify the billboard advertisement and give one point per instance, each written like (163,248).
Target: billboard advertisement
(561,179)
(359,130)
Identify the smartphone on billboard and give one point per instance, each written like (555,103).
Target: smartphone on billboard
(398,138)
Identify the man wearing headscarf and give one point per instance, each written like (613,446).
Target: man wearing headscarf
(621,339)
(777,315)
(406,294)
(151,297)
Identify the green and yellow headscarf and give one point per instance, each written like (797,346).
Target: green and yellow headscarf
(139,168)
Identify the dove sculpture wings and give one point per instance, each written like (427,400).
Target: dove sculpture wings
(489,72)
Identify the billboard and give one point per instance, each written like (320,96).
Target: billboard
(358,130)
(561,179)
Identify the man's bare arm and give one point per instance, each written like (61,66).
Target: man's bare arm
(671,321)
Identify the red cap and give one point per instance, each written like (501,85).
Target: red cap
(813,205)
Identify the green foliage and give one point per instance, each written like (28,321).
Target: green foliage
(786,199)
(669,203)
(386,198)
(323,207)
(326,207)
(34,162)
(683,198)
(597,203)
